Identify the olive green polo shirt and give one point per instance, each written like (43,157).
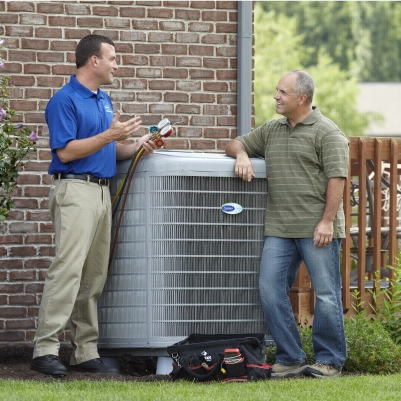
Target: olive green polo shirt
(299,163)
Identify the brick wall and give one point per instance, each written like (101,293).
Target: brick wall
(176,58)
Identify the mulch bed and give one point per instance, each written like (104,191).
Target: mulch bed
(15,364)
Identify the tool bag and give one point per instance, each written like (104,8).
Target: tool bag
(220,357)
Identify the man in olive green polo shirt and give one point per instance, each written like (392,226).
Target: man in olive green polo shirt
(306,158)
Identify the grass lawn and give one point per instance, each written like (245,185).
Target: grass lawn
(349,388)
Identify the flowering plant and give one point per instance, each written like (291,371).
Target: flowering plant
(16,143)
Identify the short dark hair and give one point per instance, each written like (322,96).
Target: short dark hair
(89,46)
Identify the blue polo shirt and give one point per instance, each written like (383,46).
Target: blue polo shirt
(75,112)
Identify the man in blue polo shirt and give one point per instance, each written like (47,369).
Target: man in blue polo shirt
(85,141)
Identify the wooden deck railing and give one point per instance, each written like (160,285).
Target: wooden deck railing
(371,199)
(371,205)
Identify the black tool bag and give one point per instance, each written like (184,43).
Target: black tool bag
(220,357)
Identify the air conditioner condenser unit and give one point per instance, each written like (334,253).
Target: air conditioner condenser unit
(187,256)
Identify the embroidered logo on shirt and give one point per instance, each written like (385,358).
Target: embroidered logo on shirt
(108,110)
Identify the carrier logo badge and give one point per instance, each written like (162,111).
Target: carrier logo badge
(231,208)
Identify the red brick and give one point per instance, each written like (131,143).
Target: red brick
(77,9)
(202,121)
(26,203)
(76,33)
(201,50)
(227,120)
(21,6)
(214,16)
(23,105)
(41,263)
(215,62)
(12,335)
(62,21)
(176,97)
(24,227)
(202,4)
(227,98)
(10,289)
(160,13)
(47,251)
(22,275)
(149,97)
(146,25)
(45,32)
(176,144)
(105,11)
(189,132)
(216,133)
(43,215)
(22,251)
(63,45)
(174,26)
(215,86)
(34,288)
(162,61)
(177,73)
(50,8)
(189,61)
(161,84)
(133,12)
(203,98)
(148,2)
(189,86)
(226,28)
(227,5)
(214,39)
(16,215)
(187,14)
(226,51)
(11,264)
(92,22)
(215,109)
(22,299)
(176,3)
(46,228)
(188,109)
(19,31)
(11,239)
(201,74)
(16,324)
(202,144)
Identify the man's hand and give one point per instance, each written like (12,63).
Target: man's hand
(243,167)
(323,234)
(119,131)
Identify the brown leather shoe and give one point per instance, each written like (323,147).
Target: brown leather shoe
(94,366)
(49,365)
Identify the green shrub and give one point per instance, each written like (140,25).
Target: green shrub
(370,347)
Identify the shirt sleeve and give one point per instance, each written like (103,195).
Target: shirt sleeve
(61,119)
(255,142)
(335,154)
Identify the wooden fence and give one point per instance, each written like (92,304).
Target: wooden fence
(371,205)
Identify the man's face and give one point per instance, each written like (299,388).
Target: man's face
(107,65)
(287,102)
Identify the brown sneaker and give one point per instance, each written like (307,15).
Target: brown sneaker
(323,371)
(280,370)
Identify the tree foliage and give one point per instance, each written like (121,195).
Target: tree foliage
(363,37)
(279,48)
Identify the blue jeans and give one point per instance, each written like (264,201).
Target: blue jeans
(280,262)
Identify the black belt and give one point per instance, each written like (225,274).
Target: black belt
(85,177)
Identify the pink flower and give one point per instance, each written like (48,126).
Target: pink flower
(2,114)
(33,136)
(1,64)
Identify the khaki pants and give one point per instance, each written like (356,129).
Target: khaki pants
(81,214)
